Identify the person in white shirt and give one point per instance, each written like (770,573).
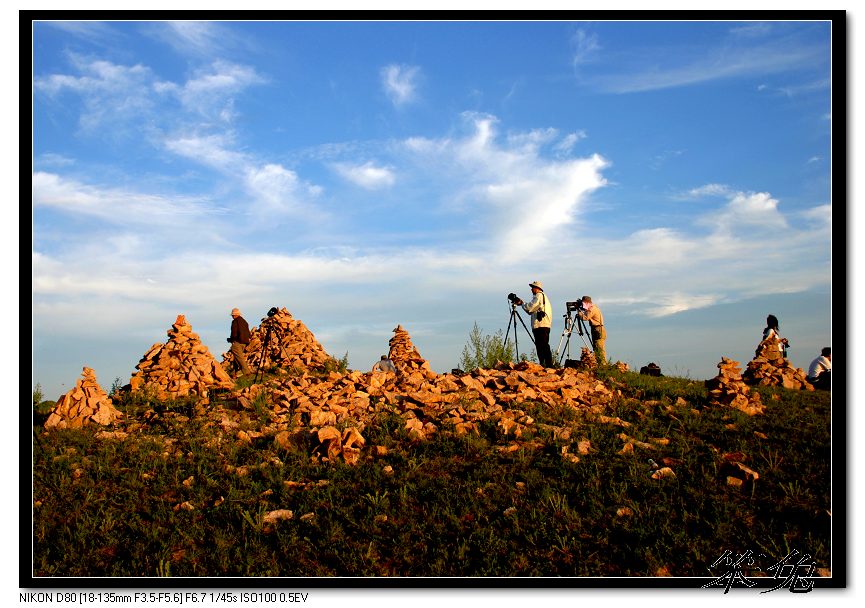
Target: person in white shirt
(542,320)
(819,373)
(384,365)
(772,330)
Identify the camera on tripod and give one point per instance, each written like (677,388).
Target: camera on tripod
(513,298)
(574,306)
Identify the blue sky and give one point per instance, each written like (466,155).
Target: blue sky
(364,175)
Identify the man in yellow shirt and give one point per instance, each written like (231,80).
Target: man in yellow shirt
(592,314)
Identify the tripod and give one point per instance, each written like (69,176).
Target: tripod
(263,347)
(513,321)
(569,328)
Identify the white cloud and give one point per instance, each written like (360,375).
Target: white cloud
(113,205)
(661,70)
(752,30)
(530,141)
(400,83)
(670,304)
(568,142)
(709,190)
(819,216)
(210,150)
(585,47)
(50,159)
(273,188)
(755,208)
(211,90)
(367,175)
(198,39)
(220,78)
(279,190)
(112,94)
(522,196)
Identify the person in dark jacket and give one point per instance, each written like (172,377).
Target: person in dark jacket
(239,339)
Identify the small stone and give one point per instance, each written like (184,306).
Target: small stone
(663,472)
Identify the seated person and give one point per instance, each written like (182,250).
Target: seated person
(819,373)
(385,365)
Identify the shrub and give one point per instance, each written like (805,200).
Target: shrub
(484,351)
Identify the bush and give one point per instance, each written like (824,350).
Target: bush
(484,351)
(37,395)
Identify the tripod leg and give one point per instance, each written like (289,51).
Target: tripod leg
(263,354)
(516,339)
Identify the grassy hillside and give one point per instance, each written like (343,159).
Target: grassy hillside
(185,490)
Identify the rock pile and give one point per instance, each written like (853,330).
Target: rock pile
(729,390)
(290,345)
(428,404)
(85,404)
(770,368)
(405,356)
(587,359)
(182,366)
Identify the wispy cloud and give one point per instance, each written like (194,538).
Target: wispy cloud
(111,94)
(273,188)
(400,83)
(523,196)
(659,160)
(51,160)
(212,150)
(211,90)
(126,98)
(569,141)
(97,32)
(113,205)
(756,211)
(752,30)
(198,39)
(368,175)
(279,190)
(662,69)
(795,90)
(585,47)
(709,190)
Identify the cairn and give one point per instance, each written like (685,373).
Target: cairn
(587,359)
(405,356)
(728,389)
(769,367)
(85,404)
(290,344)
(182,366)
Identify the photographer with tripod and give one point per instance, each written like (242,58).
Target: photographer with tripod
(239,339)
(592,314)
(542,319)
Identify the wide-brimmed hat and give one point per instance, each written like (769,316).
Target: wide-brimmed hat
(537,284)
(235,311)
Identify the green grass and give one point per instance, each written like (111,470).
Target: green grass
(452,506)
